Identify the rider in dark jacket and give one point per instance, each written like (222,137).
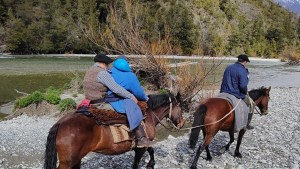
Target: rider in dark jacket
(235,78)
(235,81)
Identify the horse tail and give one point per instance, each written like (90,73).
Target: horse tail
(50,156)
(198,120)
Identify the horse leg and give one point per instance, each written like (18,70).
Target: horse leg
(151,162)
(208,156)
(77,166)
(231,136)
(139,152)
(226,147)
(68,158)
(239,141)
(69,164)
(205,144)
(64,165)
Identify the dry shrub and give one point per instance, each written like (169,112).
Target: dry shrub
(198,81)
(124,35)
(153,69)
(292,55)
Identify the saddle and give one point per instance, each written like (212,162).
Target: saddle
(109,117)
(241,110)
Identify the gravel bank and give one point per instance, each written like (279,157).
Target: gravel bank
(274,143)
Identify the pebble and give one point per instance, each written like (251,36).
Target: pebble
(268,145)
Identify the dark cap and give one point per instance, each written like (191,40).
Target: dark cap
(103,59)
(243,57)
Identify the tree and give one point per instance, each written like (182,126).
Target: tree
(16,41)
(183,30)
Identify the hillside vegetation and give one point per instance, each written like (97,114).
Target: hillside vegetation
(182,27)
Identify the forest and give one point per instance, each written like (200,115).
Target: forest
(259,28)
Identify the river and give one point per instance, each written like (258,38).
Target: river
(30,73)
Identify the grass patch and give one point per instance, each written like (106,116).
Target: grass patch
(66,104)
(36,97)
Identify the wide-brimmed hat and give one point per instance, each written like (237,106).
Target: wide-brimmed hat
(243,57)
(103,59)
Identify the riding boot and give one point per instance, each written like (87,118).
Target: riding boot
(249,127)
(141,138)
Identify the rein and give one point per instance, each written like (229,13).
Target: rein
(170,114)
(252,108)
(215,121)
(189,128)
(255,103)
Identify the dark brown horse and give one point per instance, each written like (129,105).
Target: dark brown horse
(213,109)
(75,135)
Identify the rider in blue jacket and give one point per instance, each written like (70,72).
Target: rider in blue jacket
(235,81)
(123,75)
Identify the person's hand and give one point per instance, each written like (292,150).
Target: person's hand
(134,98)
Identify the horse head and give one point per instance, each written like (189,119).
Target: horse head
(167,105)
(175,112)
(263,104)
(261,98)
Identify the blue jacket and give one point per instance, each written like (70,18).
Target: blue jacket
(235,80)
(130,82)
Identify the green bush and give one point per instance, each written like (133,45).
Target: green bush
(52,95)
(66,104)
(36,97)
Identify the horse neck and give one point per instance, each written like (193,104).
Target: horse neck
(258,98)
(155,116)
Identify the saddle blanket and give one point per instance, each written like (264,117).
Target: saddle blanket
(241,111)
(120,133)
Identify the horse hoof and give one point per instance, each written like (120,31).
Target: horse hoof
(209,159)
(193,167)
(238,155)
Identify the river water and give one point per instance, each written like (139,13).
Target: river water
(30,73)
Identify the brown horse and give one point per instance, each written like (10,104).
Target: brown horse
(213,109)
(75,135)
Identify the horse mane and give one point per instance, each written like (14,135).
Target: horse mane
(158,100)
(256,93)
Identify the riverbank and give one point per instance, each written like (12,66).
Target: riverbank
(141,56)
(274,143)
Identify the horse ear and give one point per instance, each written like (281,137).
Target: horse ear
(269,88)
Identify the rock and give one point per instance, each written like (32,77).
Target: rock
(170,137)
(7,108)
(295,165)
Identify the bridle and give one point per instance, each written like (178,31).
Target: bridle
(253,104)
(168,119)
